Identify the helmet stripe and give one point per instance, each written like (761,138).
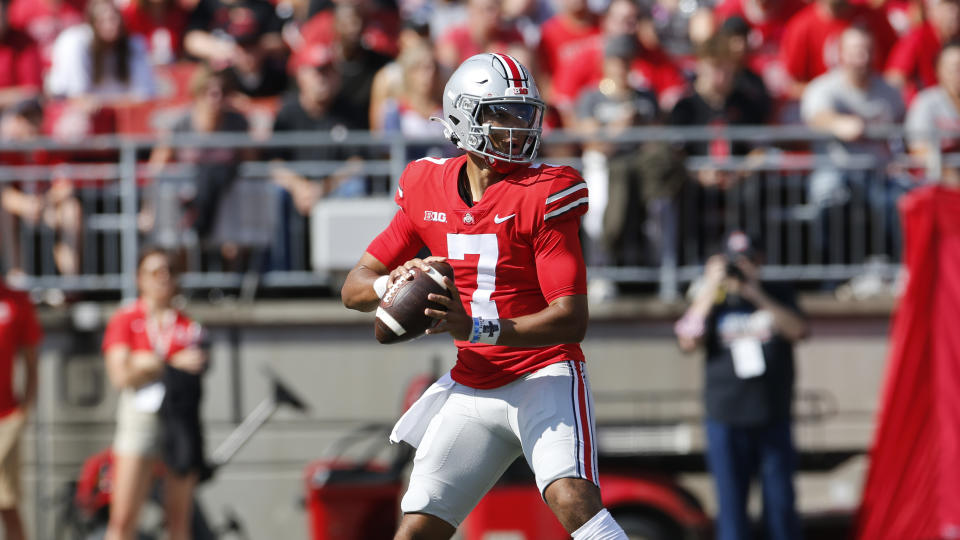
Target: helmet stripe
(513,68)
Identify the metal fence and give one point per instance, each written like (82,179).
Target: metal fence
(806,233)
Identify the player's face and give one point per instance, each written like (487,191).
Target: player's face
(524,116)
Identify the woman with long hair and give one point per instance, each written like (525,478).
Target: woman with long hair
(144,344)
(100,59)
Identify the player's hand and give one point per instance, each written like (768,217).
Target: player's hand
(454,319)
(404,270)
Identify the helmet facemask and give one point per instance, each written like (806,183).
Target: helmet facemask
(503,128)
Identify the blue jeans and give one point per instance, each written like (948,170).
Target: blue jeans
(735,455)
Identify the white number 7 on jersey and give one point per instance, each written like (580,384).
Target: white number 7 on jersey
(484,245)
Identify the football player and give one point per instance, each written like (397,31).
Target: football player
(517,314)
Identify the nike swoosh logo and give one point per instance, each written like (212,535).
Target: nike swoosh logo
(497,219)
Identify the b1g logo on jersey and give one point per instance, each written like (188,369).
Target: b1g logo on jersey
(429,215)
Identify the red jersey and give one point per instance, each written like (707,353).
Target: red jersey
(380,31)
(129,326)
(513,252)
(43,22)
(163,37)
(811,39)
(561,41)
(459,38)
(19,61)
(652,70)
(914,57)
(18,328)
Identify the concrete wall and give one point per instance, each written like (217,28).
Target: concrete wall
(348,379)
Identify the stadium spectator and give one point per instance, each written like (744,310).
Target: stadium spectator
(736,32)
(20,67)
(606,111)
(54,205)
(811,38)
(380,26)
(765,21)
(485,30)
(357,64)
(748,329)
(243,35)
(672,22)
(43,20)
(388,82)
(317,106)
(717,101)
(419,100)
(935,114)
(843,102)
(99,61)
(161,23)
(651,70)
(562,36)
(216,168)
(142,343)
(912,62)
(20,337)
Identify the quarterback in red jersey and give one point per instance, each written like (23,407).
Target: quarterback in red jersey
(517,313)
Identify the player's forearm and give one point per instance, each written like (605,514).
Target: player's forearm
(563,321)
(358,292)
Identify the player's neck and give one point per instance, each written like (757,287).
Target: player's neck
(480,176)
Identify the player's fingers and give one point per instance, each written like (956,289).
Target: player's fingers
(435,313)
(440,328)
(451,287)
(434,258)
(441,299)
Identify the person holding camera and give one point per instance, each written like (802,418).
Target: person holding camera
(748,329)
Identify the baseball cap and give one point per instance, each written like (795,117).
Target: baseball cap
(316,55)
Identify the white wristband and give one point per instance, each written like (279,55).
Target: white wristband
(485,331)
(380,285)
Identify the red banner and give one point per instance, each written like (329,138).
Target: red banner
(913,485)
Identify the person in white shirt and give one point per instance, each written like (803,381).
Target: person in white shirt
(938,108)
(100,61)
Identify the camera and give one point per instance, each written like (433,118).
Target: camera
(734,271)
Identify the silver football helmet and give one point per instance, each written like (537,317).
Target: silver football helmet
(491,107)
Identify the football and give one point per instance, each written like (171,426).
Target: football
(400,314)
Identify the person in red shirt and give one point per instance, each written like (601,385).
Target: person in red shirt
(485,30)
(517,311)
(161,23)
(810,45)
(20,76)
(652,69)
(20,336)
(141,341)
(912,62)
(563,36)
(43,20)
(380,32)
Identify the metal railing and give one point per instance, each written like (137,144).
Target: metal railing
(803,239)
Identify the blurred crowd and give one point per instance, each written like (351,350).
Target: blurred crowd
(74,68)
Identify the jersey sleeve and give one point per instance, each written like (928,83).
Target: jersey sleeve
(398,243)
(567,197)
(560,266)
(118,331)
(30,331)
(559,258)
